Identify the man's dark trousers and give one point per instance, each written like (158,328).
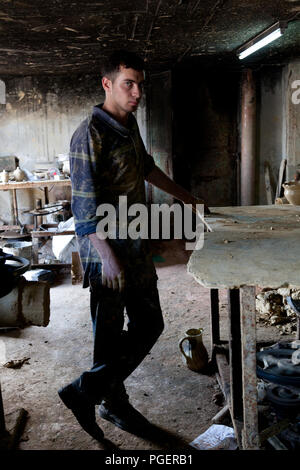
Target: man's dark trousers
(118,351)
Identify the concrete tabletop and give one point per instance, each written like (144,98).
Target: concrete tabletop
(261,218)
(240,256)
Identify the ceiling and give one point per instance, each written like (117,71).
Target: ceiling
(65,36)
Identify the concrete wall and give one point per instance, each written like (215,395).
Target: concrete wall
(278,125)
(42,113)
(40,117)
(270,129)
(292,113)
(205,107)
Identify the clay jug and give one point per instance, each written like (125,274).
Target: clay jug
(292,192)
(19,174)
(194,352)
(4,176)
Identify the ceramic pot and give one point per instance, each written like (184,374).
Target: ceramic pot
(292,192)
(19,174)
(194,353)
(66,167)
(4,176)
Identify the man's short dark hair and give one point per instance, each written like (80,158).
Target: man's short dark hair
(130,60)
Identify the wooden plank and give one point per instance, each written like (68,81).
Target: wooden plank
(51,266)
(279,188)
(15,227)
(34,184)
(76,269)
(221,415)
(268,184)
(44,233)
(224,373)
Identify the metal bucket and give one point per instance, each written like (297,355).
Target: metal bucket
(23,249)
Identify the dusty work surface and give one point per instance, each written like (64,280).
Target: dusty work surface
(259,218)
(234,259)
(179,401)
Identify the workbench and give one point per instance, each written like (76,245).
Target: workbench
(247,247)
(42,184)
(36,235)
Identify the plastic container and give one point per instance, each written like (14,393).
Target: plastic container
(23,249)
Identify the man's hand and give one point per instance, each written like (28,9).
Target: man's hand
(113,273)
(162,181)
(200,201)
(112,269)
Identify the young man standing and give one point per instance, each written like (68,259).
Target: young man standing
(107,160)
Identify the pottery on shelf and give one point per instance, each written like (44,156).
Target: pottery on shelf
(292,192)
(66,167)
(19,174)
(4,176)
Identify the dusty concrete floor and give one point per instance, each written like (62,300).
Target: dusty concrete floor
(171,396)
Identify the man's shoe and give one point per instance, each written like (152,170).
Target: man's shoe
(83,411)
(125,416)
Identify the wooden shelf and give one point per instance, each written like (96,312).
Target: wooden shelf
(34,184)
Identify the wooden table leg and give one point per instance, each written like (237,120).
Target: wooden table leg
(15,206)
(249,374)
(35,250)
(2,419)
(46,193)
(214,317)
(235,363)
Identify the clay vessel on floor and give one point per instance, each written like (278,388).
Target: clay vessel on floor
(194,353)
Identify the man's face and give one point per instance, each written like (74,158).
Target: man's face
(125,92)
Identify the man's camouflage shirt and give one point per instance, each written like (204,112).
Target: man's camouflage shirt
(108,160)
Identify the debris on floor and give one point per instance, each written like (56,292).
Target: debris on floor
(218,398)
(272,309)
(40,275)
(278,390)
(278,408)
(216,437)
(16,363)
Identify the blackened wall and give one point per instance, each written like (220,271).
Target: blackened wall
(205,105)
(36,124)
(42,113)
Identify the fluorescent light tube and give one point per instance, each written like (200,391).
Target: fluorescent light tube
(264,38)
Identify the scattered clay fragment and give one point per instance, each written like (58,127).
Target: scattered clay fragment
(17,363)
(273,309)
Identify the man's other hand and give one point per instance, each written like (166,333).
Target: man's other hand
(200,201)
(112,269)
(113,274)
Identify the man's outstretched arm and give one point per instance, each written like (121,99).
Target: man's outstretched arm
(159,179)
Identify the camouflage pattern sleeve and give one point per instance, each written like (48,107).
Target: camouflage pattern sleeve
(84,185)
